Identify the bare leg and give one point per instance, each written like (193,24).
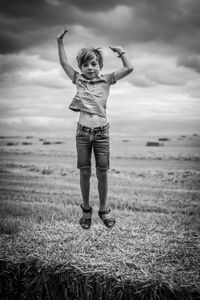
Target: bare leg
(102,187)
(85,175)
(104,214)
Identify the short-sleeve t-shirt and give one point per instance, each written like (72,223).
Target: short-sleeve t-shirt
(92,94)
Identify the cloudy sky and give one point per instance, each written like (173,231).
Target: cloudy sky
(162,39)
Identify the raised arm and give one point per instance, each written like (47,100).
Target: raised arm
(62,55)
(127,66)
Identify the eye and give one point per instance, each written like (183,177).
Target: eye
(94,64)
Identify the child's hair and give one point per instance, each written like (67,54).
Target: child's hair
(86,54)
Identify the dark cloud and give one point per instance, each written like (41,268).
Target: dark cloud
(191,62)
(8,44)
(26,23)
(174,23)
(24,8)
(9,65)
(91,5)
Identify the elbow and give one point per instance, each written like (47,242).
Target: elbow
(129,70)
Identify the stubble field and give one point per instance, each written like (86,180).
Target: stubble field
(153,252)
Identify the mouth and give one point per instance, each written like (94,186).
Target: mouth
(90,74)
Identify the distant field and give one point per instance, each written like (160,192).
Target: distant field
(152,253)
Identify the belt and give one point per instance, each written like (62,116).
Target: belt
(95,129)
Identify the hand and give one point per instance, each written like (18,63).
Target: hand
(117,49)
(62,33)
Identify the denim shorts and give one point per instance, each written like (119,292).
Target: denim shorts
(96,139)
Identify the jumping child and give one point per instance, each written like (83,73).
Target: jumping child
(92,127)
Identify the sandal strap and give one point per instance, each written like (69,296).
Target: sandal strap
(85,223)
(89,210)
(110,222)
(107,211)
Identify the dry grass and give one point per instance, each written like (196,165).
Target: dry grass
(145,258)
(152,253)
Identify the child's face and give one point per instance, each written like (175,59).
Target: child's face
(90,68)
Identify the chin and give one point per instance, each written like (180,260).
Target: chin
(91,76)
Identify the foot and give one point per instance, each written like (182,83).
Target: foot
(86,219)
(105,217)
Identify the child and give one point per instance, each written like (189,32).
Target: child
(92,127)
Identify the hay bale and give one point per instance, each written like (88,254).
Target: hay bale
(164,139)
(46,143)
(154,144)
(125,141)
(51,143)
(32,280)
(46,172)
(12,144)
(10,137)
(58,142)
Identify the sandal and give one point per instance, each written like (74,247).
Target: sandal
(109,222)
(86,222)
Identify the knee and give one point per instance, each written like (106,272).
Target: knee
(85,173)
(101,174)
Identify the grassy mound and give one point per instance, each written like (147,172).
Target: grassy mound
(60,261)
(32,281)
(152,253)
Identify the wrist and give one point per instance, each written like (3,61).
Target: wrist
(121,53)
(59,40)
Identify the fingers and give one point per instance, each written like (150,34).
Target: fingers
(116,49)
(62,32)
(65,29)
(112,48)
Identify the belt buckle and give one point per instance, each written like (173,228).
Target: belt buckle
(85,129)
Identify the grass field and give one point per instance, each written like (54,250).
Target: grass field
(153,252)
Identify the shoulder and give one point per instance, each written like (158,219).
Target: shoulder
(76,77)
(110,78)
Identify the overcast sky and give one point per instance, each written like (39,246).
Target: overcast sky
(162,39)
